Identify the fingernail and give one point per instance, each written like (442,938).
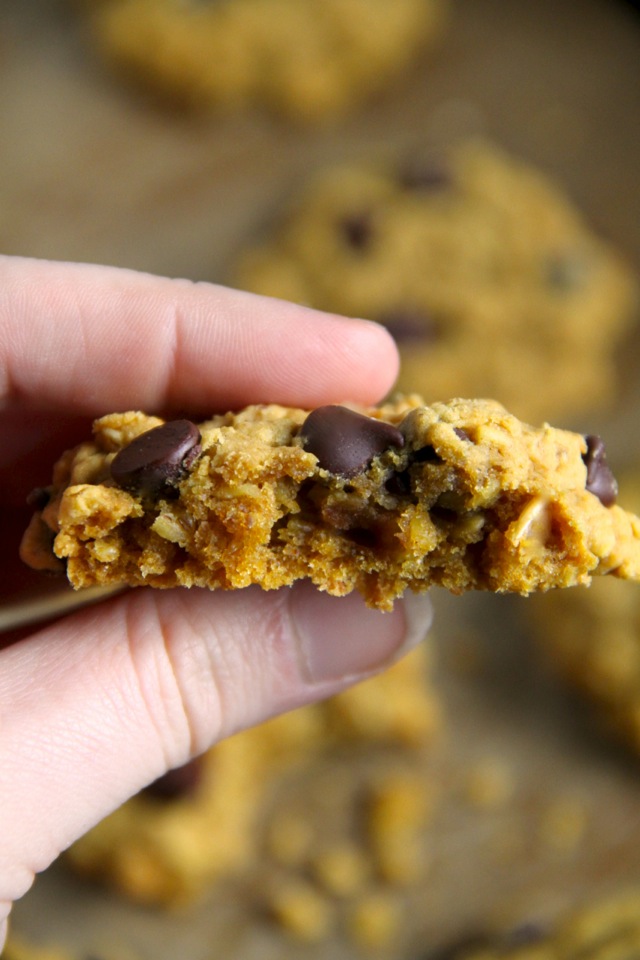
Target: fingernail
(341,638)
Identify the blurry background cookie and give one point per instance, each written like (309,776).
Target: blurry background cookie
(603,930)
(205,821)
(20,950)
(305,59)
(482,269)
(17,948)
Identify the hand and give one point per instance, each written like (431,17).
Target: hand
(96,705)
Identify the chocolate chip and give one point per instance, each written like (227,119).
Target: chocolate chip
(344,441)
(527,933)
(180,782)
(566,272)
(39,498)
(462,434)
(434,175)
(408,324)
(357,229)
(600,480)
(157,459)
(460,948)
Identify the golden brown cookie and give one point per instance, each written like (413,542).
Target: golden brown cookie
(192,827)
(17,948)
(488,277)
(608,929)
(306,60)
(206,821)
(379,500)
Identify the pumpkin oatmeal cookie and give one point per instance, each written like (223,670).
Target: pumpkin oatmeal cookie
(305,60)
(403,496)
(489,278)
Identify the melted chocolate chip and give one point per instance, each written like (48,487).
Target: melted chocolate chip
(407,325)
(600,480)
(180,782)
(158,458)
(345,442)
(357,229)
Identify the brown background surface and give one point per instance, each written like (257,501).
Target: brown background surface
(89,171)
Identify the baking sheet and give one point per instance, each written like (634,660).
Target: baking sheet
(91,171)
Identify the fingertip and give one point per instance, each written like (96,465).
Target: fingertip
(357,360)
(312,357)
(385,358)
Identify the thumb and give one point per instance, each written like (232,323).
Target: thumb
(100,704)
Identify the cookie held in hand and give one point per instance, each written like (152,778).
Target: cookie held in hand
(402,496)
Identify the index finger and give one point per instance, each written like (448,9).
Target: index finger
(91,338)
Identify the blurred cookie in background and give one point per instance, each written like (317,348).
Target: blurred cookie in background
(305,60)
(18,948)
(605,929)
(203,822)
(488,277)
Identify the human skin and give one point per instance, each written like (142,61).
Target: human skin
(99,703)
